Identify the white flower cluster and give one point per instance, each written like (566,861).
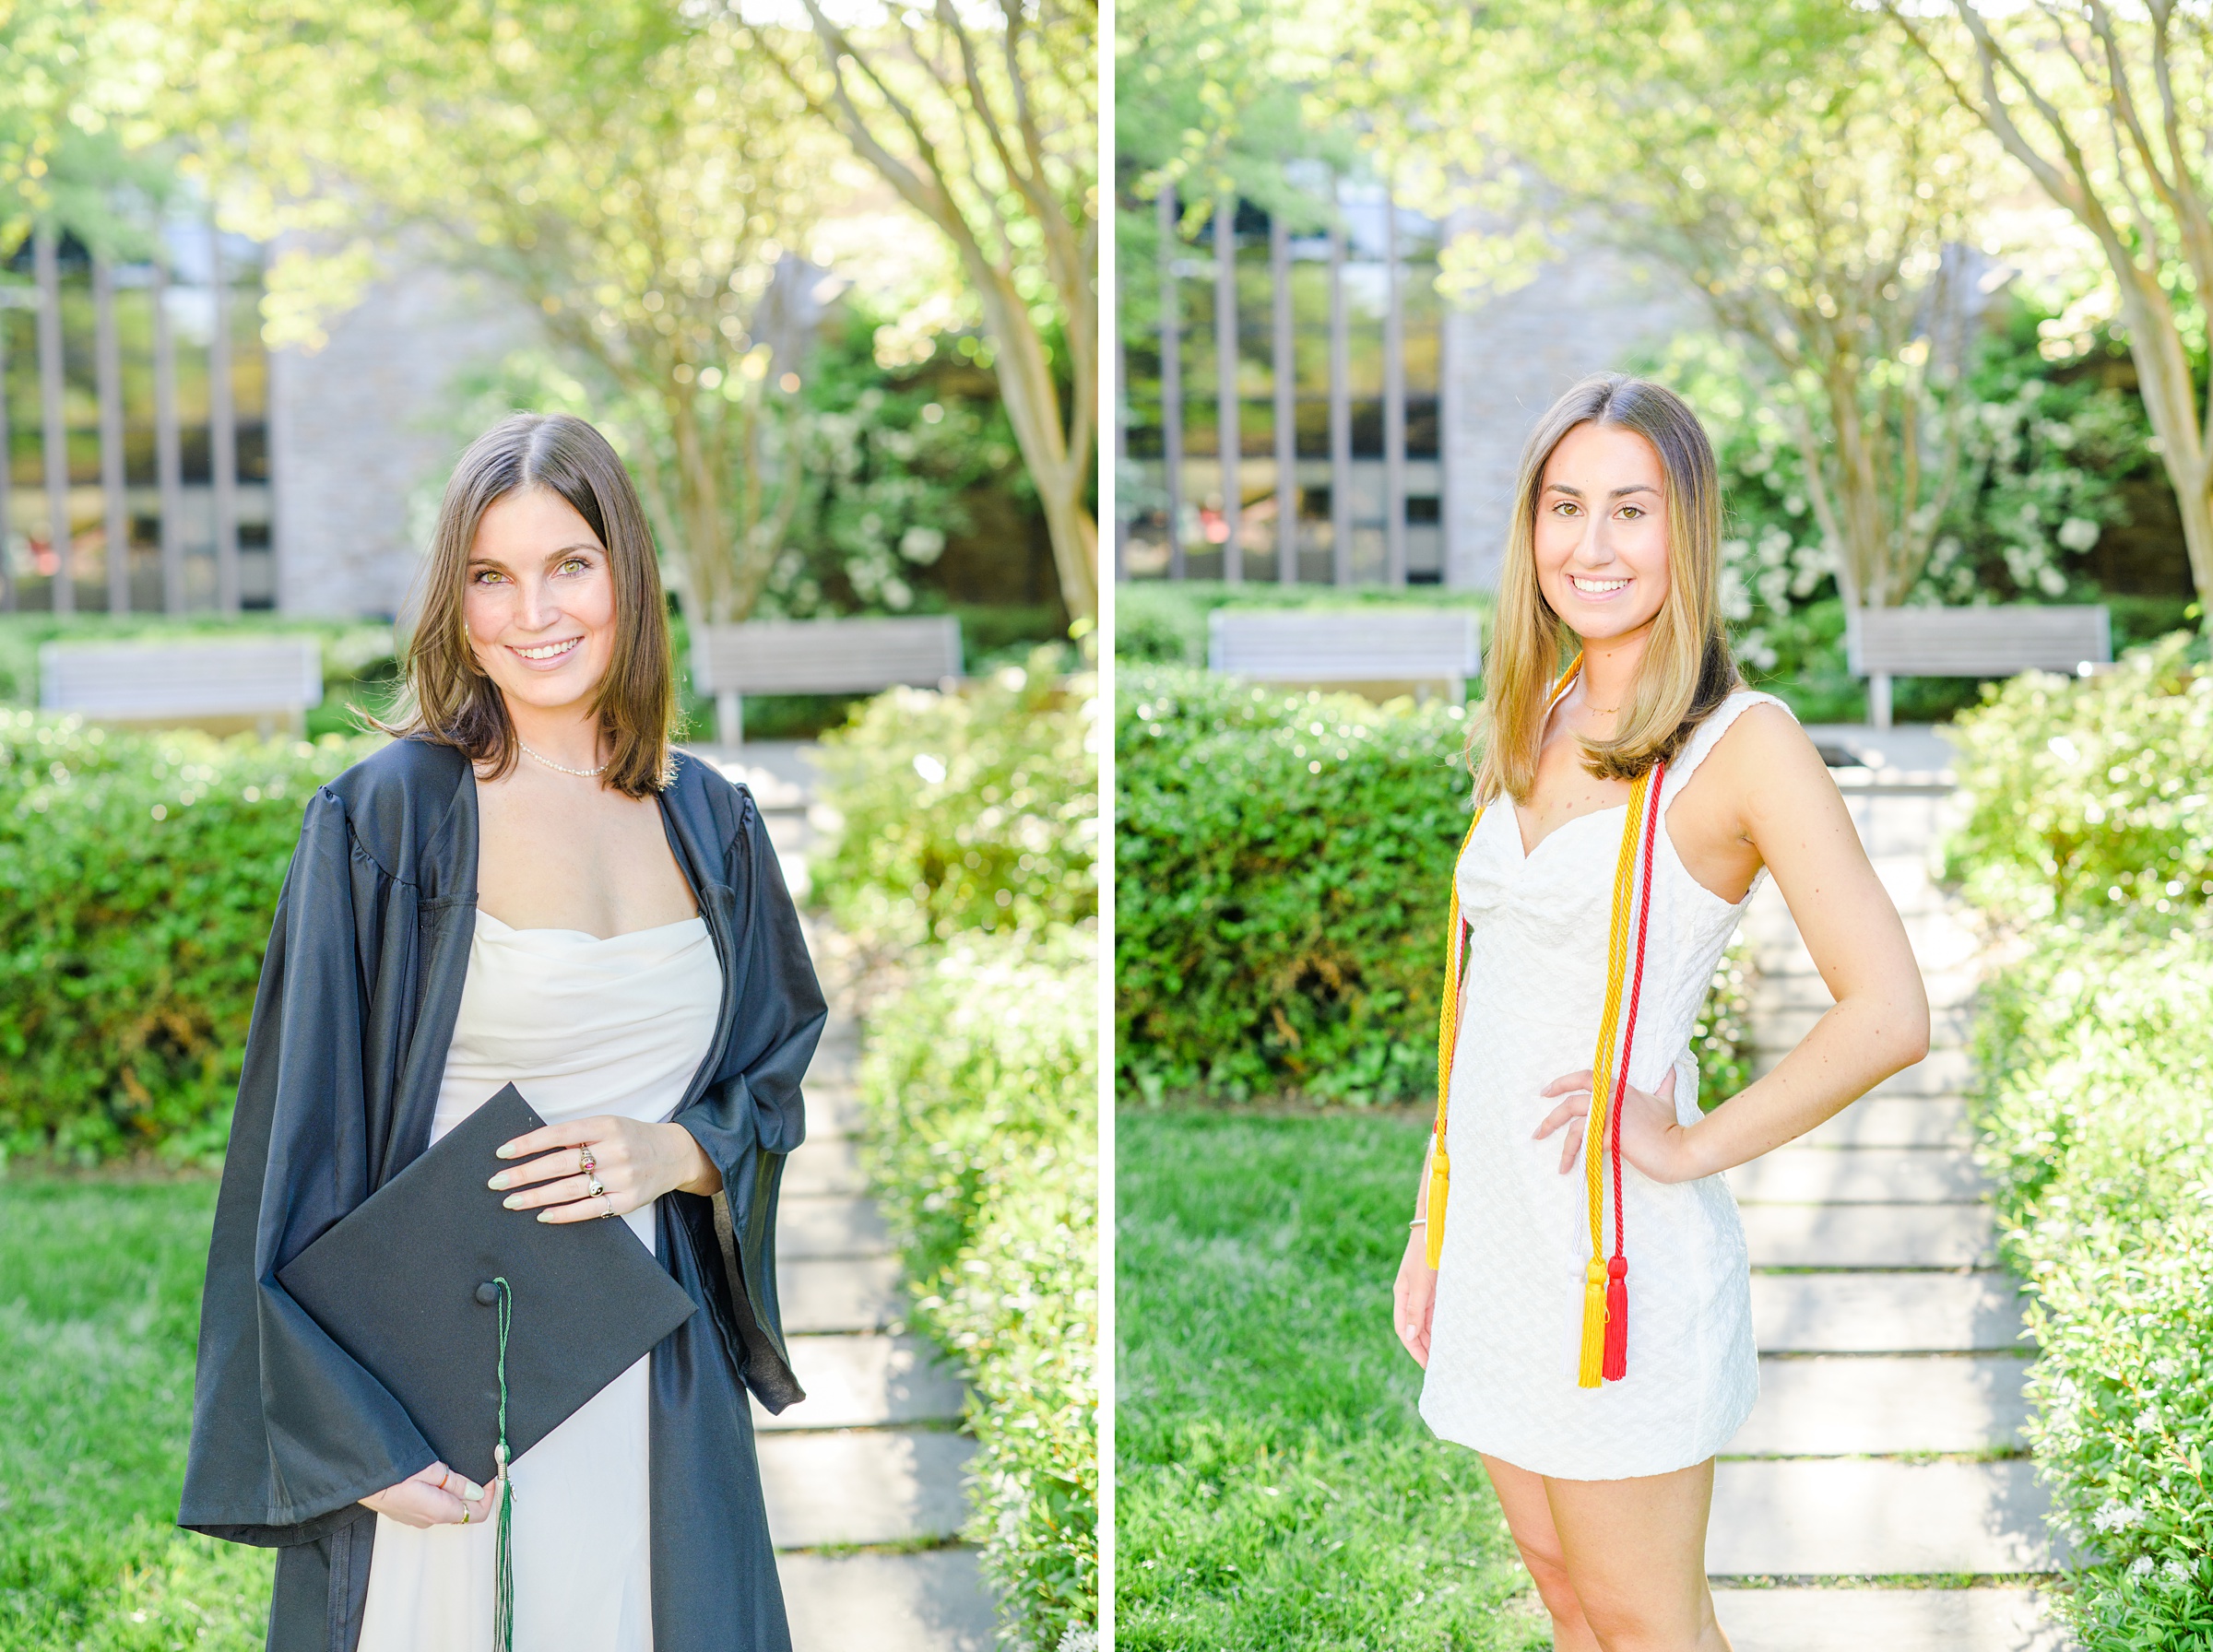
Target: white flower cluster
(2117,1517)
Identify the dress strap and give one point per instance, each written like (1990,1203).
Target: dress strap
(1709,733)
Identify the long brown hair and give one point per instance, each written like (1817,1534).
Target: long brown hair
(448,697)
(1687,669)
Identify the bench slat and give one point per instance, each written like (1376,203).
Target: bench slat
(1384,646)
(183,679)
(826,656)
(1993,642)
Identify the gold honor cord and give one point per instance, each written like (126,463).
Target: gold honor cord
(1447,1019)
(1593,1347)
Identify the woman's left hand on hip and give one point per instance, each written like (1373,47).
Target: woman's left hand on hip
(587,1168)
(1652,1139)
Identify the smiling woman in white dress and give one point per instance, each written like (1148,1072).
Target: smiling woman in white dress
(1630,802)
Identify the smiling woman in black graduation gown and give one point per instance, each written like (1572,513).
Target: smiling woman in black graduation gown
(351,1027)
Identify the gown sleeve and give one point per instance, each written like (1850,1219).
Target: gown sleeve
(287,1431)
(751,1115)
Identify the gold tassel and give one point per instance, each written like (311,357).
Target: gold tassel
(1440,1181)
(1588,1367)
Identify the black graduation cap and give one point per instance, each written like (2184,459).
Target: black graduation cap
(406,1285)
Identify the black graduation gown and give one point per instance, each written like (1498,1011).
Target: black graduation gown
(351,1023)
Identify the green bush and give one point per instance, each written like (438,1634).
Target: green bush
(2092,796)
(974,810)
(141,871)
(2099,1130)
(981,1083)
(1281,862)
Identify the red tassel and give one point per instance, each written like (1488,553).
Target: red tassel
(1617,1319)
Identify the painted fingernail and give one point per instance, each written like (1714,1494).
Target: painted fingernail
(506,1150)
(545,1216)
(472,1493)
(497,1182)
(514,1201)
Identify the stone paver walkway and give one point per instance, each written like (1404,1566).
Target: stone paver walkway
(864,1477)
(1886,1443)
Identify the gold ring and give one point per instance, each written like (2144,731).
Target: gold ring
(586,1163)
(465,1514)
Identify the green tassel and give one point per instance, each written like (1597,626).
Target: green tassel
(503,1596)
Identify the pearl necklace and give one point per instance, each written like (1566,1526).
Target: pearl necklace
(580,773)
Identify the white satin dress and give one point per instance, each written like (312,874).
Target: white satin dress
(1509,1291)
(582,1026)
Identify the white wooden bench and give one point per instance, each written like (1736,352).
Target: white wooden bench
(1881,643)
(818,656)
(1356,645)
(265,680)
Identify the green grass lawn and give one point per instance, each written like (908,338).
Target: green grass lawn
(100,1294)
(1276,1488)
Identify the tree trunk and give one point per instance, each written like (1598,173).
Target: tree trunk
(2164,380)
(1032,403)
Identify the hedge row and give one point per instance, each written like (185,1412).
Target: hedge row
(1281,873)
(981,1081)
(2087,839)
(140,872)
(966,860)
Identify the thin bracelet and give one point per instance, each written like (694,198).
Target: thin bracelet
(1419,1222)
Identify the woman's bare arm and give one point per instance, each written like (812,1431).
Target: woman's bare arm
(1795,819)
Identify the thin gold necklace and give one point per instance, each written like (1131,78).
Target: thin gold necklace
(580,773)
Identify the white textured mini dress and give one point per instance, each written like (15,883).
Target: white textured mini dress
(582,1026)
(1509,1290)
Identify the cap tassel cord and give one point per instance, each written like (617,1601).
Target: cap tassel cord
(1590,1363)
(1616,1362)
(1447,1026)
(502,1588)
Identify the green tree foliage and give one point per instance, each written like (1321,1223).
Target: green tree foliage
(983,119)
(2106,106)
(1801,170)
(637,175)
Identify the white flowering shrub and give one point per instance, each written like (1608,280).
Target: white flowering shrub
(2046,450)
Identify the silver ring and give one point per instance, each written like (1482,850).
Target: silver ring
(610,1206)
(598,1191)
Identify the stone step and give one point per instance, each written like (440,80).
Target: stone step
(861,1294)
(1885,1405)
(1895,1121)
(863,1486)
(1860,1175)
(1870,1235)
(867,1381)
(935,1600)
(1885,1313)
(1843,1517)
(816,1228)
(824,1166)
(833,1110)
(1853,1620)
(1942,1073)
(1780,1030)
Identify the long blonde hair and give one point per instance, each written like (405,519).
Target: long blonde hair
(1687,669)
